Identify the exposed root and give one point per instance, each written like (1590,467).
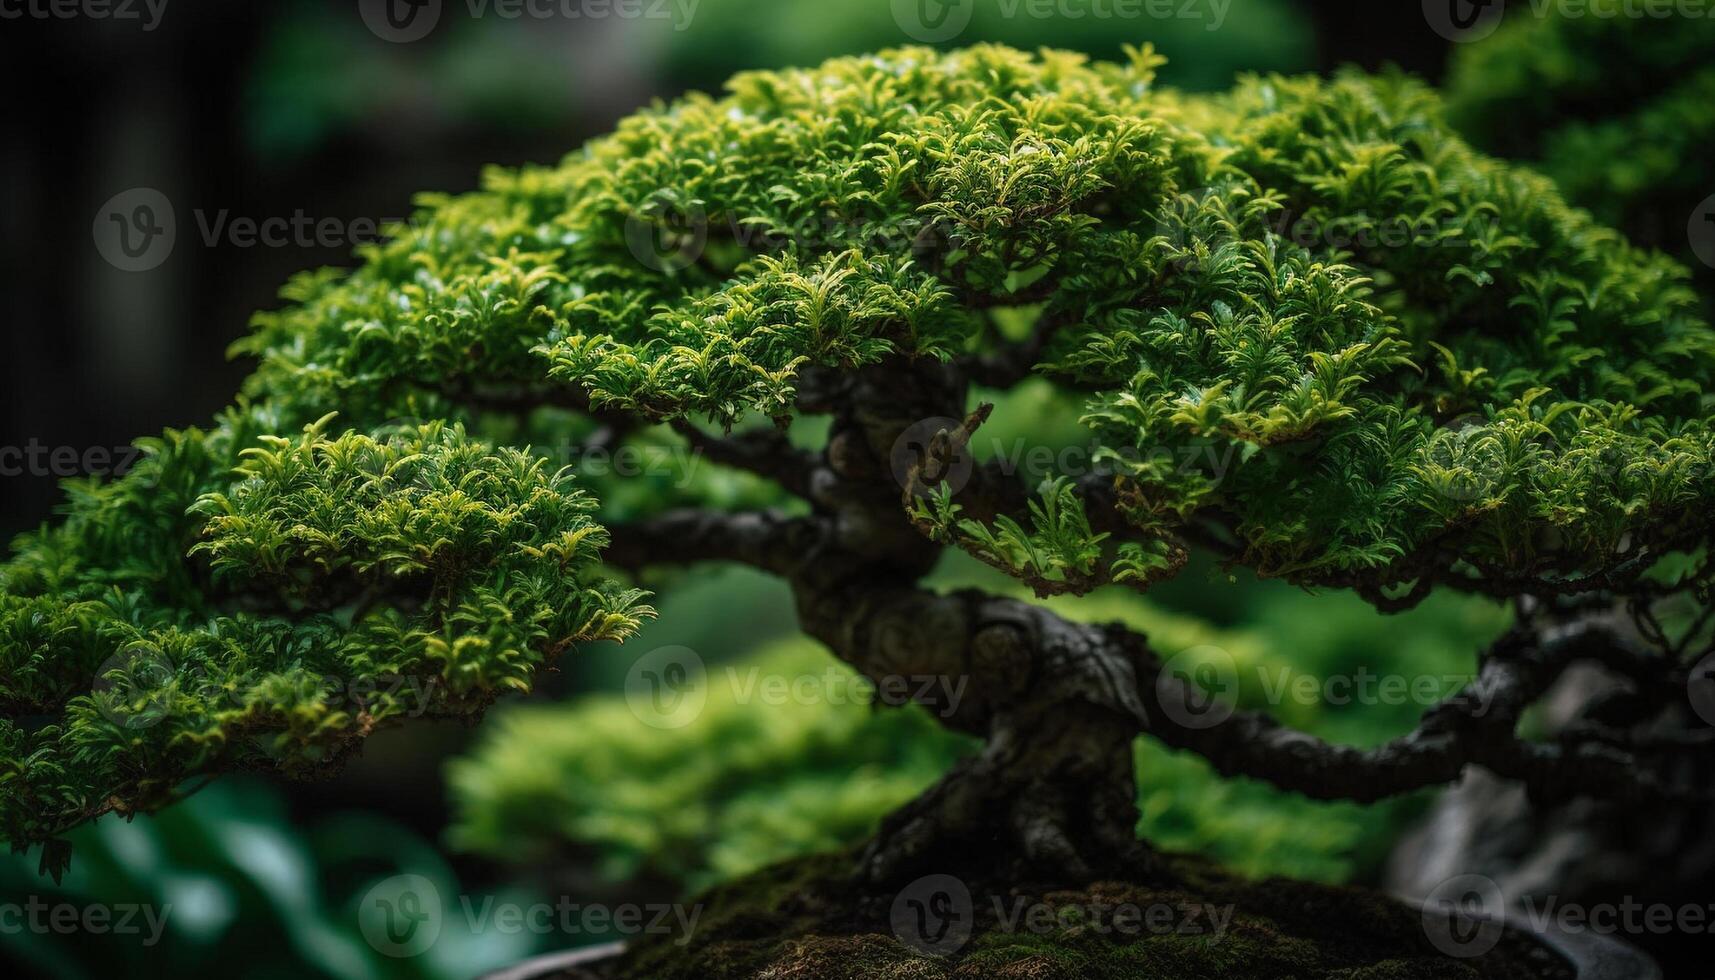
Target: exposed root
(1054,798)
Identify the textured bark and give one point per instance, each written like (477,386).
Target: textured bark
(1056,704)
(1059,703)
(1052,790)
(1584,851)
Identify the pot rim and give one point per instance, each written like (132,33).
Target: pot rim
(537,966)
(1593,956)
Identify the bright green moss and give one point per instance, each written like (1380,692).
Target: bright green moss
(805,919)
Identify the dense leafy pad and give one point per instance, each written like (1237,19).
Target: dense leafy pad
(1422,358)
(193,617)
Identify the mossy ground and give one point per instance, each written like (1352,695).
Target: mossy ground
(807,920)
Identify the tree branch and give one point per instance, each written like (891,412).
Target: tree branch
(1475,726)
(768,540)
(765,452)
(1010,364)
(1012,651)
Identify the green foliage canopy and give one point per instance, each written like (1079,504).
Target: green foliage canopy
(1219,270)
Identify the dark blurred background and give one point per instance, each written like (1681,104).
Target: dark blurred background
(299,112)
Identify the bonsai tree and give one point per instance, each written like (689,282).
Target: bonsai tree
(1315,336)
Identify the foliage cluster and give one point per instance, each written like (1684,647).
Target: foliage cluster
(267,607)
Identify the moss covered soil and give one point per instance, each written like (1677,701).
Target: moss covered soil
(808,920)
